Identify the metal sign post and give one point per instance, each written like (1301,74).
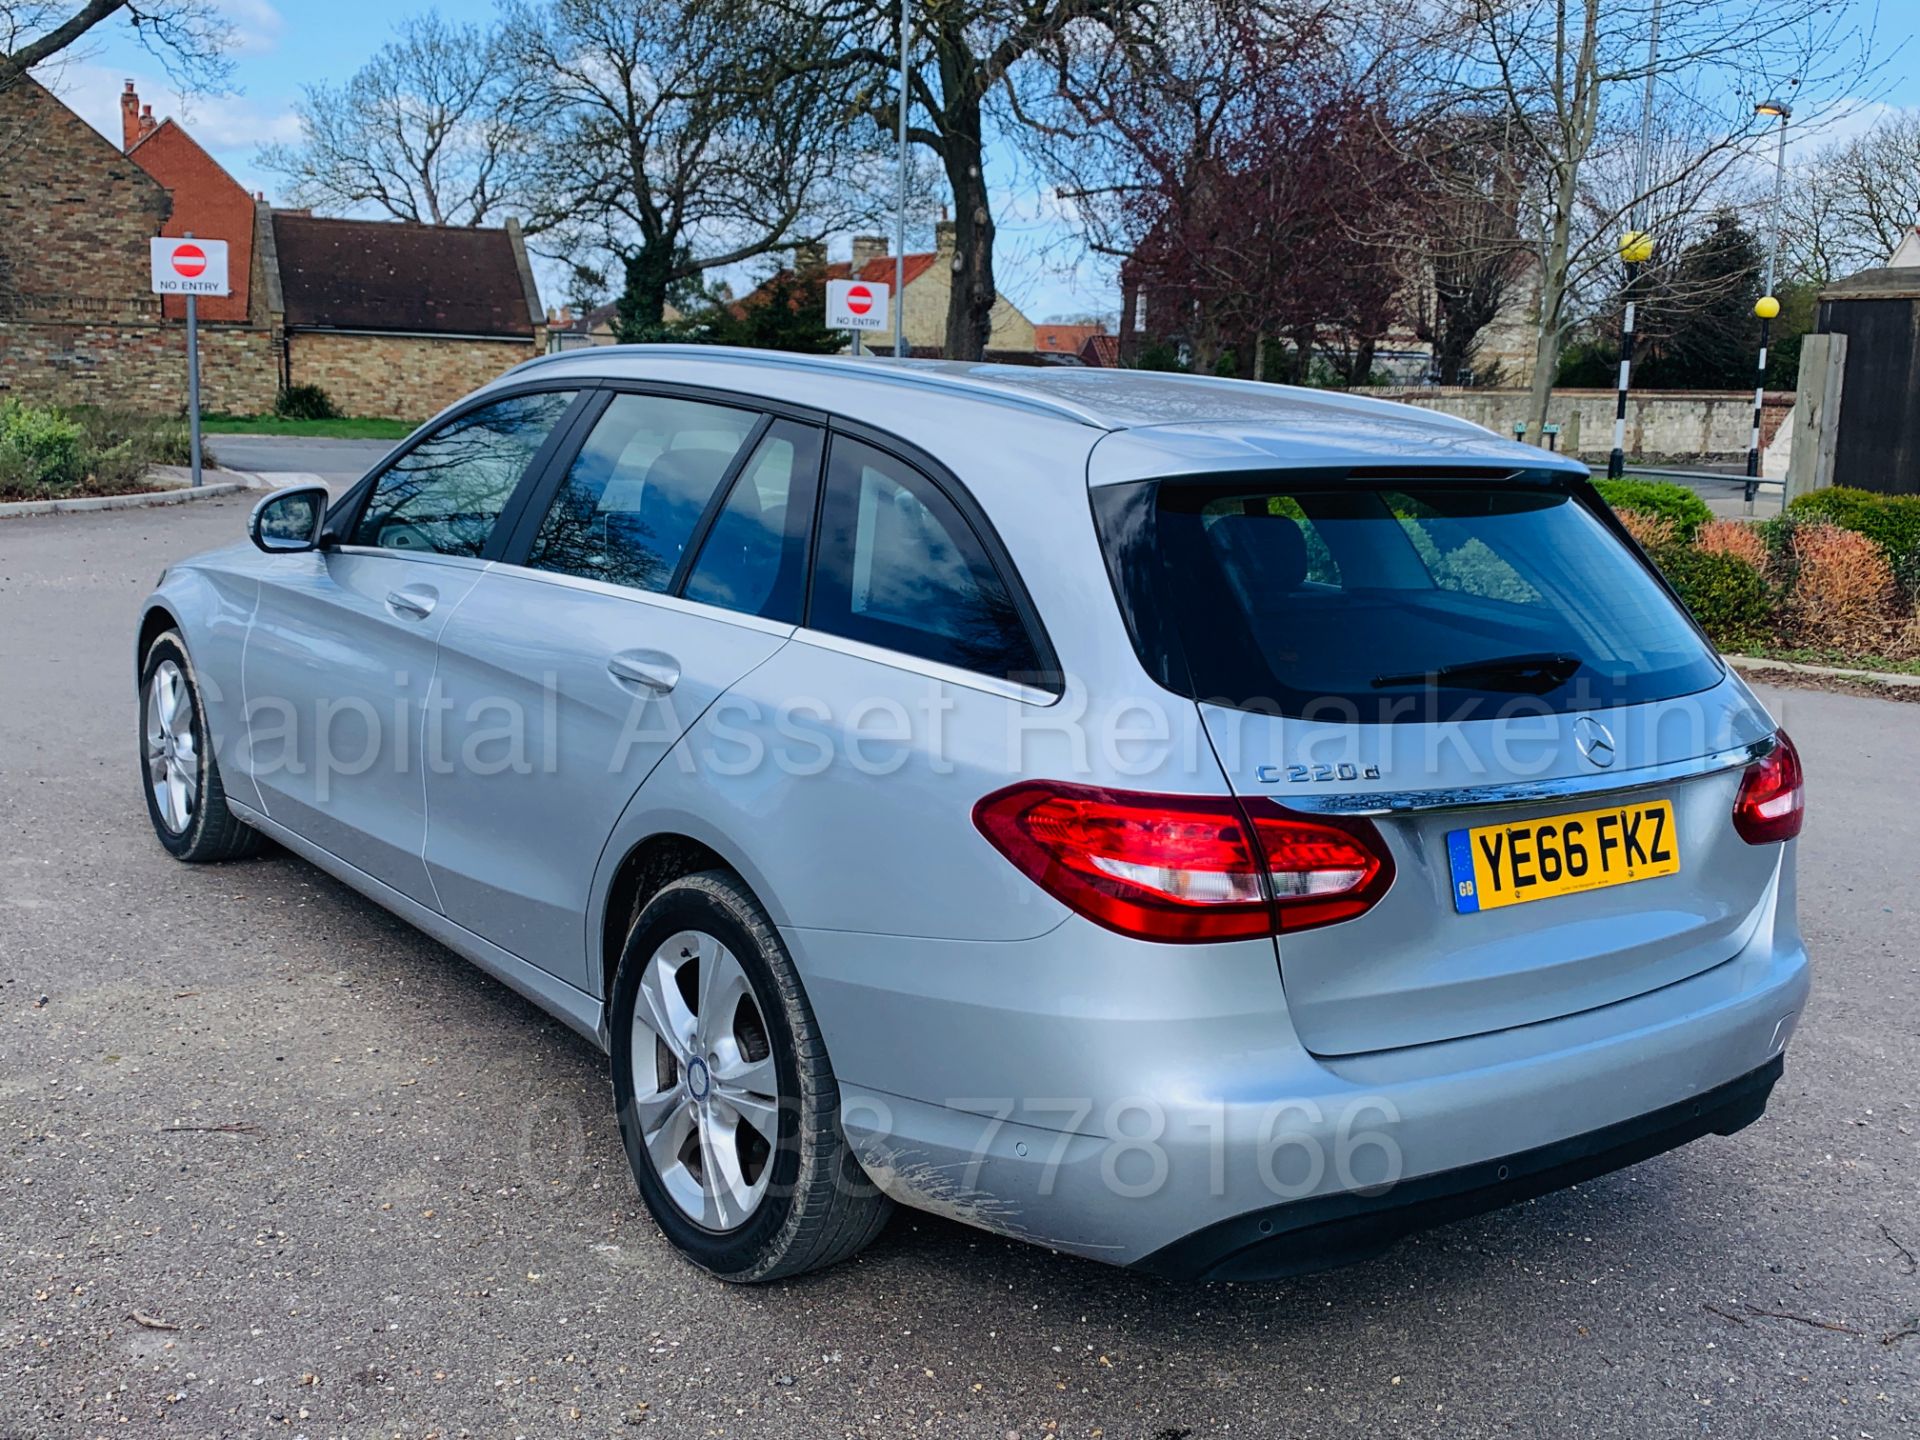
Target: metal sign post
(900,217)
(185,266)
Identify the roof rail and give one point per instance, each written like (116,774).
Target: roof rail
(883,369)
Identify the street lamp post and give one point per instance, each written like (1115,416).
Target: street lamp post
(1636,248)
(1768,306)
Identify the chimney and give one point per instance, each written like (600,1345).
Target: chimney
(129,118)
(867,248)
(945,241)
(147,123)
(810,258)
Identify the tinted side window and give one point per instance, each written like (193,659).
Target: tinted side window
(637,489)
(754,558)
(900,567)
(445,494)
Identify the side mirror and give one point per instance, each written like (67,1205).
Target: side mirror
(289,520)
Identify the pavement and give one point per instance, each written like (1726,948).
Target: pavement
(271,1162)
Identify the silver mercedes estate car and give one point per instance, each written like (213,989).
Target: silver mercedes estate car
(1190,824)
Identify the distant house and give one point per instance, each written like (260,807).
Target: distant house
(568,331)
(1066,341)
(1101,350)
(390,318)
(929,285)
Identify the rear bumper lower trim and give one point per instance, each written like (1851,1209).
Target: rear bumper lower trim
(1304,1236)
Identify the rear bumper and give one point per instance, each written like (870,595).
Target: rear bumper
(1322,1234)
(1202,1127)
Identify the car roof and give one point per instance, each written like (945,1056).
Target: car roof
(1193,417)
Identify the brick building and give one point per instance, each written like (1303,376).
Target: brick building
(207,202)
(78,323)
(401,319)
(390,318)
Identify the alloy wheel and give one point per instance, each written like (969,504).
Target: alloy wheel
(712,1121)
(173,763)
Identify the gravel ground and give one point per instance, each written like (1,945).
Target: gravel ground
(273,1163)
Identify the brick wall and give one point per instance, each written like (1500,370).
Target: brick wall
(137,366)
(405,376)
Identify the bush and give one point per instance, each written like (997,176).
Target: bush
(1738,538)
(1655,533)
(1891,521)
(48,453)
(1843,593)
(43,448)
(1686,510)
(1728,596)
(305,402)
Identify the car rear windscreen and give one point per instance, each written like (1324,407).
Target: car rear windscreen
(1393,601)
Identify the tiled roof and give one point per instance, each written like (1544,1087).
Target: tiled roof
(393,276)
(1102,350)
(1063,339)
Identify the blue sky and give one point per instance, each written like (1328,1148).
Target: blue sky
(282,46)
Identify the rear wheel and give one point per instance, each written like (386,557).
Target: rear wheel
(185,798)
(727,1104)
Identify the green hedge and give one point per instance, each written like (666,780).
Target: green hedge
(1677,503)
(1732,601)
(40,449)
(1891,521)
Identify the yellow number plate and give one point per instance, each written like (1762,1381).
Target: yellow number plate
(1496,865)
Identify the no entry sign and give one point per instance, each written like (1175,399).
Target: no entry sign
(857,305)
(188,267)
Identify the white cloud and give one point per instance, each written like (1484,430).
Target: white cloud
(231,127)
(256,25)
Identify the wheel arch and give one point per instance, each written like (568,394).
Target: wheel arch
(155,621)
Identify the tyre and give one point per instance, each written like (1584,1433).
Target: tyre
(181,779)
(727,1103)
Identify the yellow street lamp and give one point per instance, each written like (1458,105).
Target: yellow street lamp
(1766,307)
(1636,247)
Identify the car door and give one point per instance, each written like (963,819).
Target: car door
(572,667)
(341,652)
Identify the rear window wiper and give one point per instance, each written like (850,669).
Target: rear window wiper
(1520,673)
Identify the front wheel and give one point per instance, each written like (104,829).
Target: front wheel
(727,1104)
(185,798)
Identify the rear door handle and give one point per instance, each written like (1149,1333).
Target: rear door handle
(656,670)
(413,602)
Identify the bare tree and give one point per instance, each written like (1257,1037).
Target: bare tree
(432,129)
(1467,247)
(1568,76)
(1854,201)
(689,135)
(188,37)
(964,55)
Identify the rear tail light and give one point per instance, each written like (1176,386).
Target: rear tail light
(1186,868)
(1772,800)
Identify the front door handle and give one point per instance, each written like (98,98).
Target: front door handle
(413,602)
(656,670)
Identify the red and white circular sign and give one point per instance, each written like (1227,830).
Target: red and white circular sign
(859,299)
(189,261)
